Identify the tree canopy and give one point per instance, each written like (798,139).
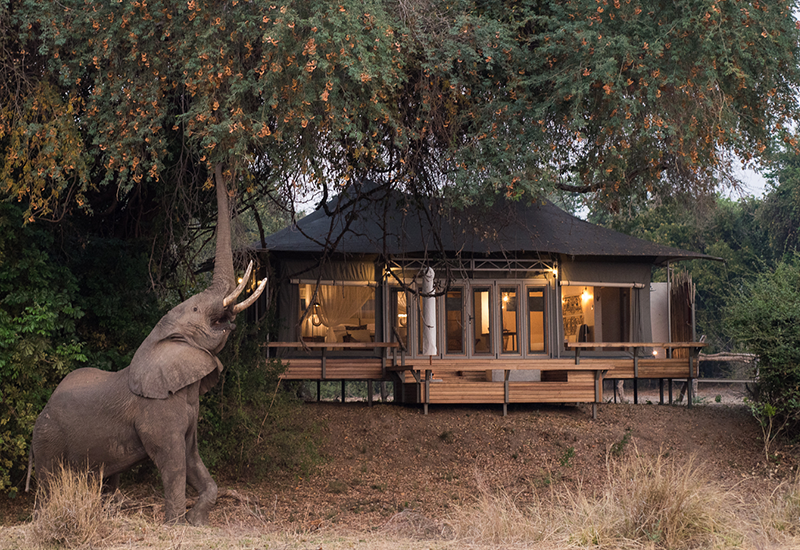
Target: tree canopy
(619,98)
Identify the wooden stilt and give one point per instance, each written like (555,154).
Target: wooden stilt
(635,376)
(505,391)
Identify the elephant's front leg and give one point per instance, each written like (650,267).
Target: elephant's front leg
(169,456)
(198,477)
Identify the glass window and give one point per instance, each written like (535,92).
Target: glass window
(596,313)
(454,320)
(337,313)
(482,320)
(399,309)
(536,331)
(508,319)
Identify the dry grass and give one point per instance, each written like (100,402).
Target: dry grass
(497,519)
(643,502)
(657,502)
(778,515)
(71,513)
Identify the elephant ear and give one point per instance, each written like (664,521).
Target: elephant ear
(169,365)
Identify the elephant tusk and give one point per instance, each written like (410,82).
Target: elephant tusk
(231,298)
(252,298)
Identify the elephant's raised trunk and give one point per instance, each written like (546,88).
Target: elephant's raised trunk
(223,280)
(224,276)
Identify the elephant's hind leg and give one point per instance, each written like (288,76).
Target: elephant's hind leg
(198,477)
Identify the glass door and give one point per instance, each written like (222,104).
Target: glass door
(509,320)
(482,321)
(454,321)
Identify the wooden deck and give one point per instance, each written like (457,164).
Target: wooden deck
(428,381)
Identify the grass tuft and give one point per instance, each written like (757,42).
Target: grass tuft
(644,502)
(779,514)
(657,502)
(71,513)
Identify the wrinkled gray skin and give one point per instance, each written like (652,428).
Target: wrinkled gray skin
(114,420)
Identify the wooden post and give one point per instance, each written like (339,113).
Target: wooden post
(319,393)
(505,392)
(660,391)
(343,394)
(428,375)
(598,390)
(689,392)
(369,393)
(635,375)
(669,385)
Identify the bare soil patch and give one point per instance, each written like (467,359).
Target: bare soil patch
(386,459)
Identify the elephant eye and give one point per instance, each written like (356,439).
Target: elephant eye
(194,308)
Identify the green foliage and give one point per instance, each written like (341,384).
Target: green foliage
(618,99)
(779,214)
(248,427)
(722,228)
(618,448)
(764,317)
(59,310)
(120,308)
(566,457)
(38,338)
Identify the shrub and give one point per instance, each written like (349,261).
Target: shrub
(764,318)
(248,427)
(38,338)
(71,512)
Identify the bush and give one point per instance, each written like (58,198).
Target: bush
(764,318)
(38,338)
(248,427)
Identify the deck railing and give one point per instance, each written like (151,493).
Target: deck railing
(649,368)
(570,380)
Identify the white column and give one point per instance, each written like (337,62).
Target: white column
(428,314)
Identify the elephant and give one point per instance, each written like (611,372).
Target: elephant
(110,421)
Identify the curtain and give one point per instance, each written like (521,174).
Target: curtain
(337,304)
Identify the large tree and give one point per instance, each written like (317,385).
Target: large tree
(618,98)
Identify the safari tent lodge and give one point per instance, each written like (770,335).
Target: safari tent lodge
(517,303)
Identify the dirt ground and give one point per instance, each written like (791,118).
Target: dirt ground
(387,458)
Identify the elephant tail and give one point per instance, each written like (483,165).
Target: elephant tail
(30,469)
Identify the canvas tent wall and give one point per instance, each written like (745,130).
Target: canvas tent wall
(365,231)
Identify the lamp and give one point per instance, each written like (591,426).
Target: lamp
(315,320)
